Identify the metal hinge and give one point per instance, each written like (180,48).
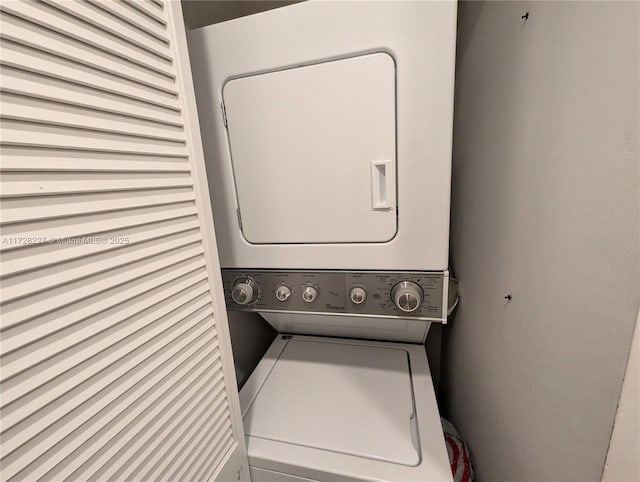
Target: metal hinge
(239,218)
(224,113)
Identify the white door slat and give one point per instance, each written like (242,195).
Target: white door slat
(18,81)
(93,224)
(58,321)
(42,162)
(147,9)
(217,428)
(16,465)
(112,343)
(41,280)
(11,188)
(29,209)
(43,63)
(142,442)
(49,254)
(57,298)
(115,357)
(177,457)
(194,366)
(153,447)
(18,107)
(78,391)
(196,429)
(223,450)
(61,160)
(133,17)
(226,454)
(219,441)
(67,25)
(138,309)
(193,386)
(12,28)
(99,18)
(38,135)
(24,429)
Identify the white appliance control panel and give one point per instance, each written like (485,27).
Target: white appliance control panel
(416,294)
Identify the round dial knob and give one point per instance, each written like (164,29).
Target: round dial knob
(244,291)
(309,294)
(407,296)
(358,295)
(283,292)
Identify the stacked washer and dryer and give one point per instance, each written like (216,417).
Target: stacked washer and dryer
(327,130)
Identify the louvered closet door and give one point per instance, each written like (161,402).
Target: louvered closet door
(116,361)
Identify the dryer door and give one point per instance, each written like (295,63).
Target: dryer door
(313,150)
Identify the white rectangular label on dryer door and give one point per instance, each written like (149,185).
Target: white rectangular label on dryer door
(303,142)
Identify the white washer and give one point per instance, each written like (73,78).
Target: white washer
(338,410)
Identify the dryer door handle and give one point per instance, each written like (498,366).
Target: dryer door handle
(383,183)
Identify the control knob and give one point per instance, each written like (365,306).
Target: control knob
(407,296)
(309,294)
(357,295)
(245,291)
(283,292)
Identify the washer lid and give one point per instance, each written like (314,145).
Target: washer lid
(350,399)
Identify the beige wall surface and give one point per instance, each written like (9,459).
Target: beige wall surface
(545,208)
(623,460)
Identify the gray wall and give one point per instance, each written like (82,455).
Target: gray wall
(545,207)
(251,335)
(198,13)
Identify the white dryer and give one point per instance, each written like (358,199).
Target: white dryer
(327,131)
